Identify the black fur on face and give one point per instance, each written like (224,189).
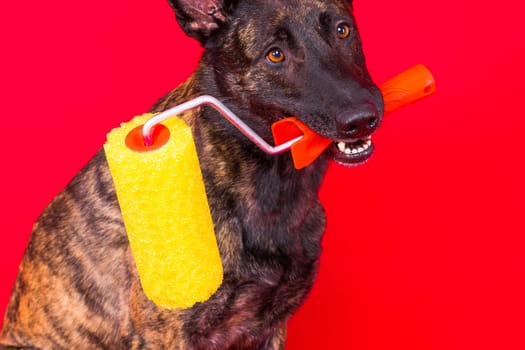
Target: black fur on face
(319,75)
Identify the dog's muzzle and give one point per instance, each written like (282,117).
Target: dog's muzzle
(354,129)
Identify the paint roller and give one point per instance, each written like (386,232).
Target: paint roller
(157,177)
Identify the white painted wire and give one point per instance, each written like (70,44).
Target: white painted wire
(225,112)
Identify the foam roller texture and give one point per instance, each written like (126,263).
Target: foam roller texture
(165,210)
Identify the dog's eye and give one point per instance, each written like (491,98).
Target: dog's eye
(343,31)
(275,55)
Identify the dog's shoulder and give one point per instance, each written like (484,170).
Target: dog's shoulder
(78,251)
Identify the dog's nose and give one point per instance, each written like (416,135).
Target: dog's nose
(357,123)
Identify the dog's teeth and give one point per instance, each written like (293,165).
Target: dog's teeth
(355,148)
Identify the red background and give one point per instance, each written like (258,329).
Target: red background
(424,245)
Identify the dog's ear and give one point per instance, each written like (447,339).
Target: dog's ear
(199,18)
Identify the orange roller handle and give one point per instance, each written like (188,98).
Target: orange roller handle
(307,149)
(407,87)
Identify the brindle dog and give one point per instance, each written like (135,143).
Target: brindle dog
(78,287)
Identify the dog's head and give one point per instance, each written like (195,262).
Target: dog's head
(298,58)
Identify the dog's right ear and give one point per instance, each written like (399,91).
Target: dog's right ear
(199,18)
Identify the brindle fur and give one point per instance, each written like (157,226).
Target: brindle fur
(77,286)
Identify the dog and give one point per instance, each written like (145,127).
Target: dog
(78,286)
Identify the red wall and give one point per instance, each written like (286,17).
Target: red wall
(424,245)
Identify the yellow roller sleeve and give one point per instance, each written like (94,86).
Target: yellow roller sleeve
(166,215)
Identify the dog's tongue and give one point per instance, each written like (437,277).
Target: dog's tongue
(407,87)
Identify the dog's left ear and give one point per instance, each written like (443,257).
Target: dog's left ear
(199,18)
